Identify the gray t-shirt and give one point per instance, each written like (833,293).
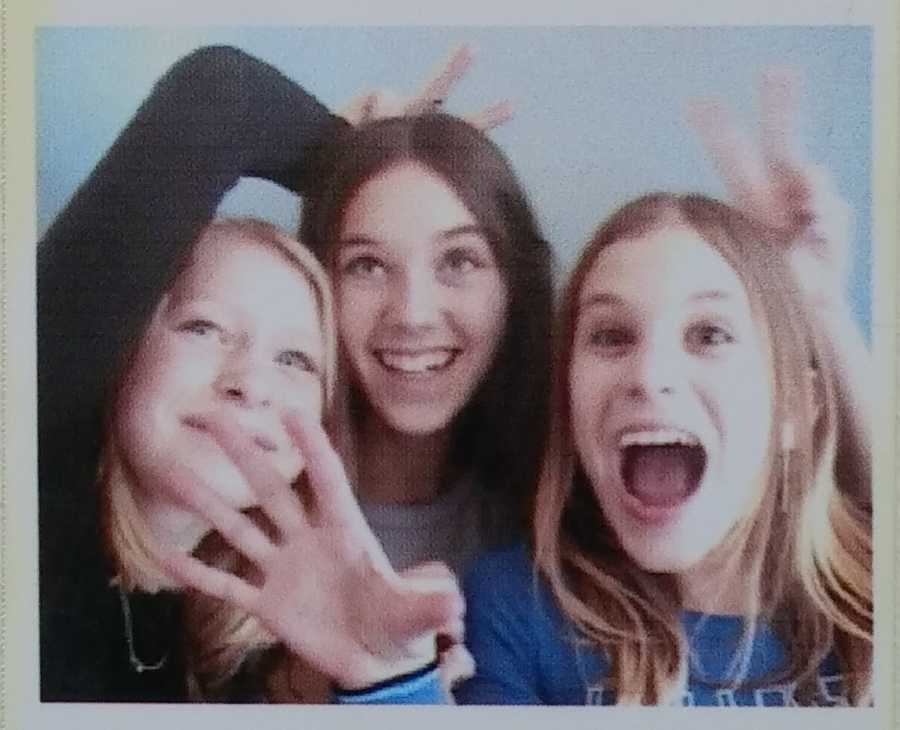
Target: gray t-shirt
(449,529)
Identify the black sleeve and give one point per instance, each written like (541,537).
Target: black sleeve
(215,116)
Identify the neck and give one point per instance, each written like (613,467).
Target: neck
(400,468)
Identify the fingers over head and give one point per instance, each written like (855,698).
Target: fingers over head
(778,92)
(440,83)
(736,159)
(452,70)
(492,116)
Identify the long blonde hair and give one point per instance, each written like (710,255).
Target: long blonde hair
(809,546)
(219,637)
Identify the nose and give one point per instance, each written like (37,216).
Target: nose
(242,379)
(416,302)
(655,368)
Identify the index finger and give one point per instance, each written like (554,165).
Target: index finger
(778,90)
(439,85)
(324,470)
(732,153)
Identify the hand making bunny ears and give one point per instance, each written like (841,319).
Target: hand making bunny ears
(773,183)
(381,103)
(325,588)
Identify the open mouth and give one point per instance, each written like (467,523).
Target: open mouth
(661,469)
(417,363)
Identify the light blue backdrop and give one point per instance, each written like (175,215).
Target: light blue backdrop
(599,111)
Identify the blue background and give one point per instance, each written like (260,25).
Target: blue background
(599,110)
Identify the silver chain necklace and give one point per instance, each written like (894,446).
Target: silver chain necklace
(136,663)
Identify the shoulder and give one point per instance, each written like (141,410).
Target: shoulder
(503,585)
(509,567)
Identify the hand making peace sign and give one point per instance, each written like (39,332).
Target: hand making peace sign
(381,103)
(772,183)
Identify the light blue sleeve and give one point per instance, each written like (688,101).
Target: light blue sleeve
(421,688)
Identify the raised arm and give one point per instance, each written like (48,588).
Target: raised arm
(217,115)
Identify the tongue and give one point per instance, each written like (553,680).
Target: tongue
(659,476)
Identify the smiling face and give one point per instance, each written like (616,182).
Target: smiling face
(670,396)
(237,337)
(420,298)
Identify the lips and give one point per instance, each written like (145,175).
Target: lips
(417,362)
(262,439)
(661,467)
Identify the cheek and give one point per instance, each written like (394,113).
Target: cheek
(483,311)
(585,387)
(141,400)
(748,423)
(358,310)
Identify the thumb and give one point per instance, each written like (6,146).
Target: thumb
(423,612)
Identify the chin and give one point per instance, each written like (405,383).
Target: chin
(664,554)
(418,421)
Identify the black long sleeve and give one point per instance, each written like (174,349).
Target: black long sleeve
(217,115)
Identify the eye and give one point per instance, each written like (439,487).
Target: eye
(200,327)
(461,261)
(706,336)
(296,359)
(365,266)
(610,338)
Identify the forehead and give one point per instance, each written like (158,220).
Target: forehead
(406,200)
(235,267)
(670,263)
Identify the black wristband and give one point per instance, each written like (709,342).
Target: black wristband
(389,682)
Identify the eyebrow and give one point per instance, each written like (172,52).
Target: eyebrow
(599,299)
(448,234)
(603,298)
(710,295)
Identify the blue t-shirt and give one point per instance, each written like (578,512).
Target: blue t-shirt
(527,653)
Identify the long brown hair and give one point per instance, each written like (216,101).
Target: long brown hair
(809,546)
(500,431)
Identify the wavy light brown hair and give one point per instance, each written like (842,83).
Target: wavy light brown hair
(806,548)
(218,636)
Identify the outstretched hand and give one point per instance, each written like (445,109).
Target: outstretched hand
(325,588)
(771,182)
(378,104)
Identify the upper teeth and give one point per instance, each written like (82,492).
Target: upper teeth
(417,363)
(659,437)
